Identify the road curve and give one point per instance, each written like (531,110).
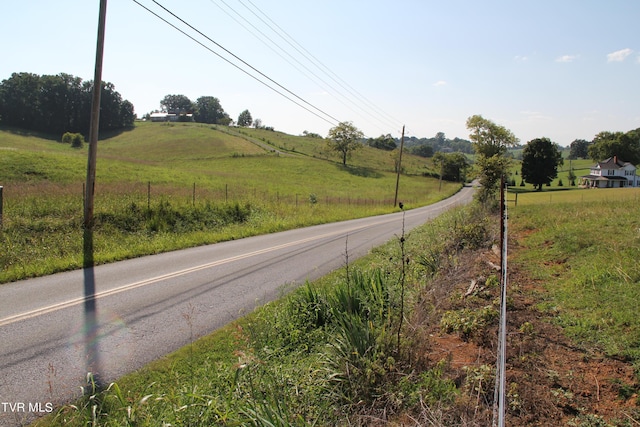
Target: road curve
(115,318)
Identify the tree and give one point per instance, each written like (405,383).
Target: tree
(490,142)
(383,142)
(488,138)
(177,104)
(245,119)
(540,160)
(624,145)
(344,139)
(209,110)
(59,104)
(452,166)
(423,150)
(579,149)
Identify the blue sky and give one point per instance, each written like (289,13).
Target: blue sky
(563,69)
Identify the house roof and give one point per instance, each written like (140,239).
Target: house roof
(612,163)
(604,178)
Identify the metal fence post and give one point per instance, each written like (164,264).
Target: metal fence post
(1,204)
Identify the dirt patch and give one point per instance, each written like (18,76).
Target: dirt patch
(551,381)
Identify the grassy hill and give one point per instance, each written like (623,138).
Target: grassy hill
(164,186)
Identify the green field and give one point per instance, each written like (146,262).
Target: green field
(162,187)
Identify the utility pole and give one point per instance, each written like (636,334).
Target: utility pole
(395,199)
(95,121)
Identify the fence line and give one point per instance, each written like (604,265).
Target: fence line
(499,409)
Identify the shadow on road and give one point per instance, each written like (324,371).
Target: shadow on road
(91,325)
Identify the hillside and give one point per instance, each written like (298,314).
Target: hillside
(165,186)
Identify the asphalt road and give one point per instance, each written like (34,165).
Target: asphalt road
(115,318)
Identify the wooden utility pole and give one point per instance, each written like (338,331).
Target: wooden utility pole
(395,199)
(95,120)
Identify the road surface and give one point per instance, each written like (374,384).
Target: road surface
(115,318)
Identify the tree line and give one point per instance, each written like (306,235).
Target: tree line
(60,103)
(625,145)
(206,109)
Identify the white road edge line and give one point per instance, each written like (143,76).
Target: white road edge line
(135,285)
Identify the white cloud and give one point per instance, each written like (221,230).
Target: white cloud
(520,58)
(440,83)
(619,55)
(567,58)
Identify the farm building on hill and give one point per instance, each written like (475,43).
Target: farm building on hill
(163,117)
(611,173)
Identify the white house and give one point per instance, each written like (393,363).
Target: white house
(611,173)
(163,117)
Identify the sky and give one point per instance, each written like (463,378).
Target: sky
(562,69)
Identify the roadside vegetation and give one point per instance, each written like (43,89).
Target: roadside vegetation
(407,335)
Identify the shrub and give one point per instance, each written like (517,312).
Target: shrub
(467,322)
(76,140)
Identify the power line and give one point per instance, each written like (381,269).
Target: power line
(266,37)
(334,122)
(321,66)
(322,83)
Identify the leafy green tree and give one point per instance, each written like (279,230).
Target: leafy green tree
(209,110)
(579,149)
(383,142)
(490,142)
(423,150)
(245,119)
(624,145)
(60,103)
(452,166)
(344,139)
(177,104)
(540,160)
(19,103)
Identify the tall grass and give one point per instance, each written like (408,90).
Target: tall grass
(587,255)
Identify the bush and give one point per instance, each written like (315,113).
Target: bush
(76,140)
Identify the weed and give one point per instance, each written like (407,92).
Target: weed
(468,322)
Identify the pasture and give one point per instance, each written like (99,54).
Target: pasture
(162,187)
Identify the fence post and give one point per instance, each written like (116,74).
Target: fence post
(1,204)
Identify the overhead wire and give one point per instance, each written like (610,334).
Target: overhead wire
(326,117)
(320,65)
(304,53)
(308,73)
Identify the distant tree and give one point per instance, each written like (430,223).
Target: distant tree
(579,149)
(257,123)
(245,119)
(209,110)
(344,139)
(383,142)
(540,160)
(311,134)
(452,166)
(59,104)
(177,104)
(423,150)
(440,139)
(19,100)
(490,142)
(624,145)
